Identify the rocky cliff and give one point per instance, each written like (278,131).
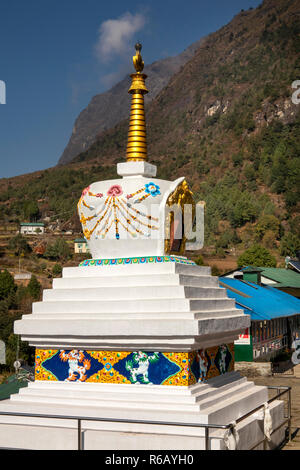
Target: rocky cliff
(108,109)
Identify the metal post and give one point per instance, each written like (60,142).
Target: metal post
(79,434)
(290,414)
(206,438)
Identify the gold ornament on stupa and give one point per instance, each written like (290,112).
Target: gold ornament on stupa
(137,142)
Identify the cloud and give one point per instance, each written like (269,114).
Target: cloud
(115,35)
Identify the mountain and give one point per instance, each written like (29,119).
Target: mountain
(108,109)
(225,120)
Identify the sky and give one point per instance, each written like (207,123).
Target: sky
(56,55)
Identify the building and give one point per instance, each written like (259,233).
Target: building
(32,228)
(275,318)
(80,245)
(22,276)
(287,280)
(284,279)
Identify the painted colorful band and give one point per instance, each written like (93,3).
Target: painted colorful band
(136,260)
(140,367)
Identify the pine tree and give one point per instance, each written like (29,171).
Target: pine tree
(7,284)
(34,288)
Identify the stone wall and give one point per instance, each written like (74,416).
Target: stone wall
(252,369)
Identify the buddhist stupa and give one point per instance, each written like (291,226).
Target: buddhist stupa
(139,335)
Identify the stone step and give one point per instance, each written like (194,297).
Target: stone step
(130,389)
(136,315)
(135,393)
(145,401)
(136,269)
(219,384)
(141,305)
(135,280)
(198,401)
(99,403)
(224,394)
(230,409)
(132,293)
(100,396)
(92,411)
(223,413)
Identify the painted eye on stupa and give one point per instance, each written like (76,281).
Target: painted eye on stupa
(152,188)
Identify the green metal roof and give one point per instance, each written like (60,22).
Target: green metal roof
(80,240)
(283,277)
(32,224)
(252,269)
(10,386)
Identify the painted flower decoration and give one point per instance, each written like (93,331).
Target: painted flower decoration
(115,190)
(85,191)
(151,188)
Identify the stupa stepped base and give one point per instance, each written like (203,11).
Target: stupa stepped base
(160,351)
(216,402)
(165,306)
(222,400)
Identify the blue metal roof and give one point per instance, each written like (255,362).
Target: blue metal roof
(295,264)
(262,303)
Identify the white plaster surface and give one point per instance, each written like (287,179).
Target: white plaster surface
(222,400)
(138,168)
(146,242)
(172,306)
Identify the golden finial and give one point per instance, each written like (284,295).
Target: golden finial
(137,143)
(137,58)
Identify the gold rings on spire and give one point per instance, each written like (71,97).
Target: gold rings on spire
(137,142)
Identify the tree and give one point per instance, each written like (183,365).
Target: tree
(269,239)
(290,243)
(237,158)
(34,288)
(227,238)
(26,352)
(267,222)
(58,251)
(215,271)
(19,245)
(199,261)
(257,255)
(30,210)
(57,270)
(7,284)
(245,209)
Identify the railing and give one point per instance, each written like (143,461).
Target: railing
(288,418)
(207,427)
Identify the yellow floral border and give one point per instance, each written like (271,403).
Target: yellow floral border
(108,374)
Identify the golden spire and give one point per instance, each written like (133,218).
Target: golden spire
(137,142)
